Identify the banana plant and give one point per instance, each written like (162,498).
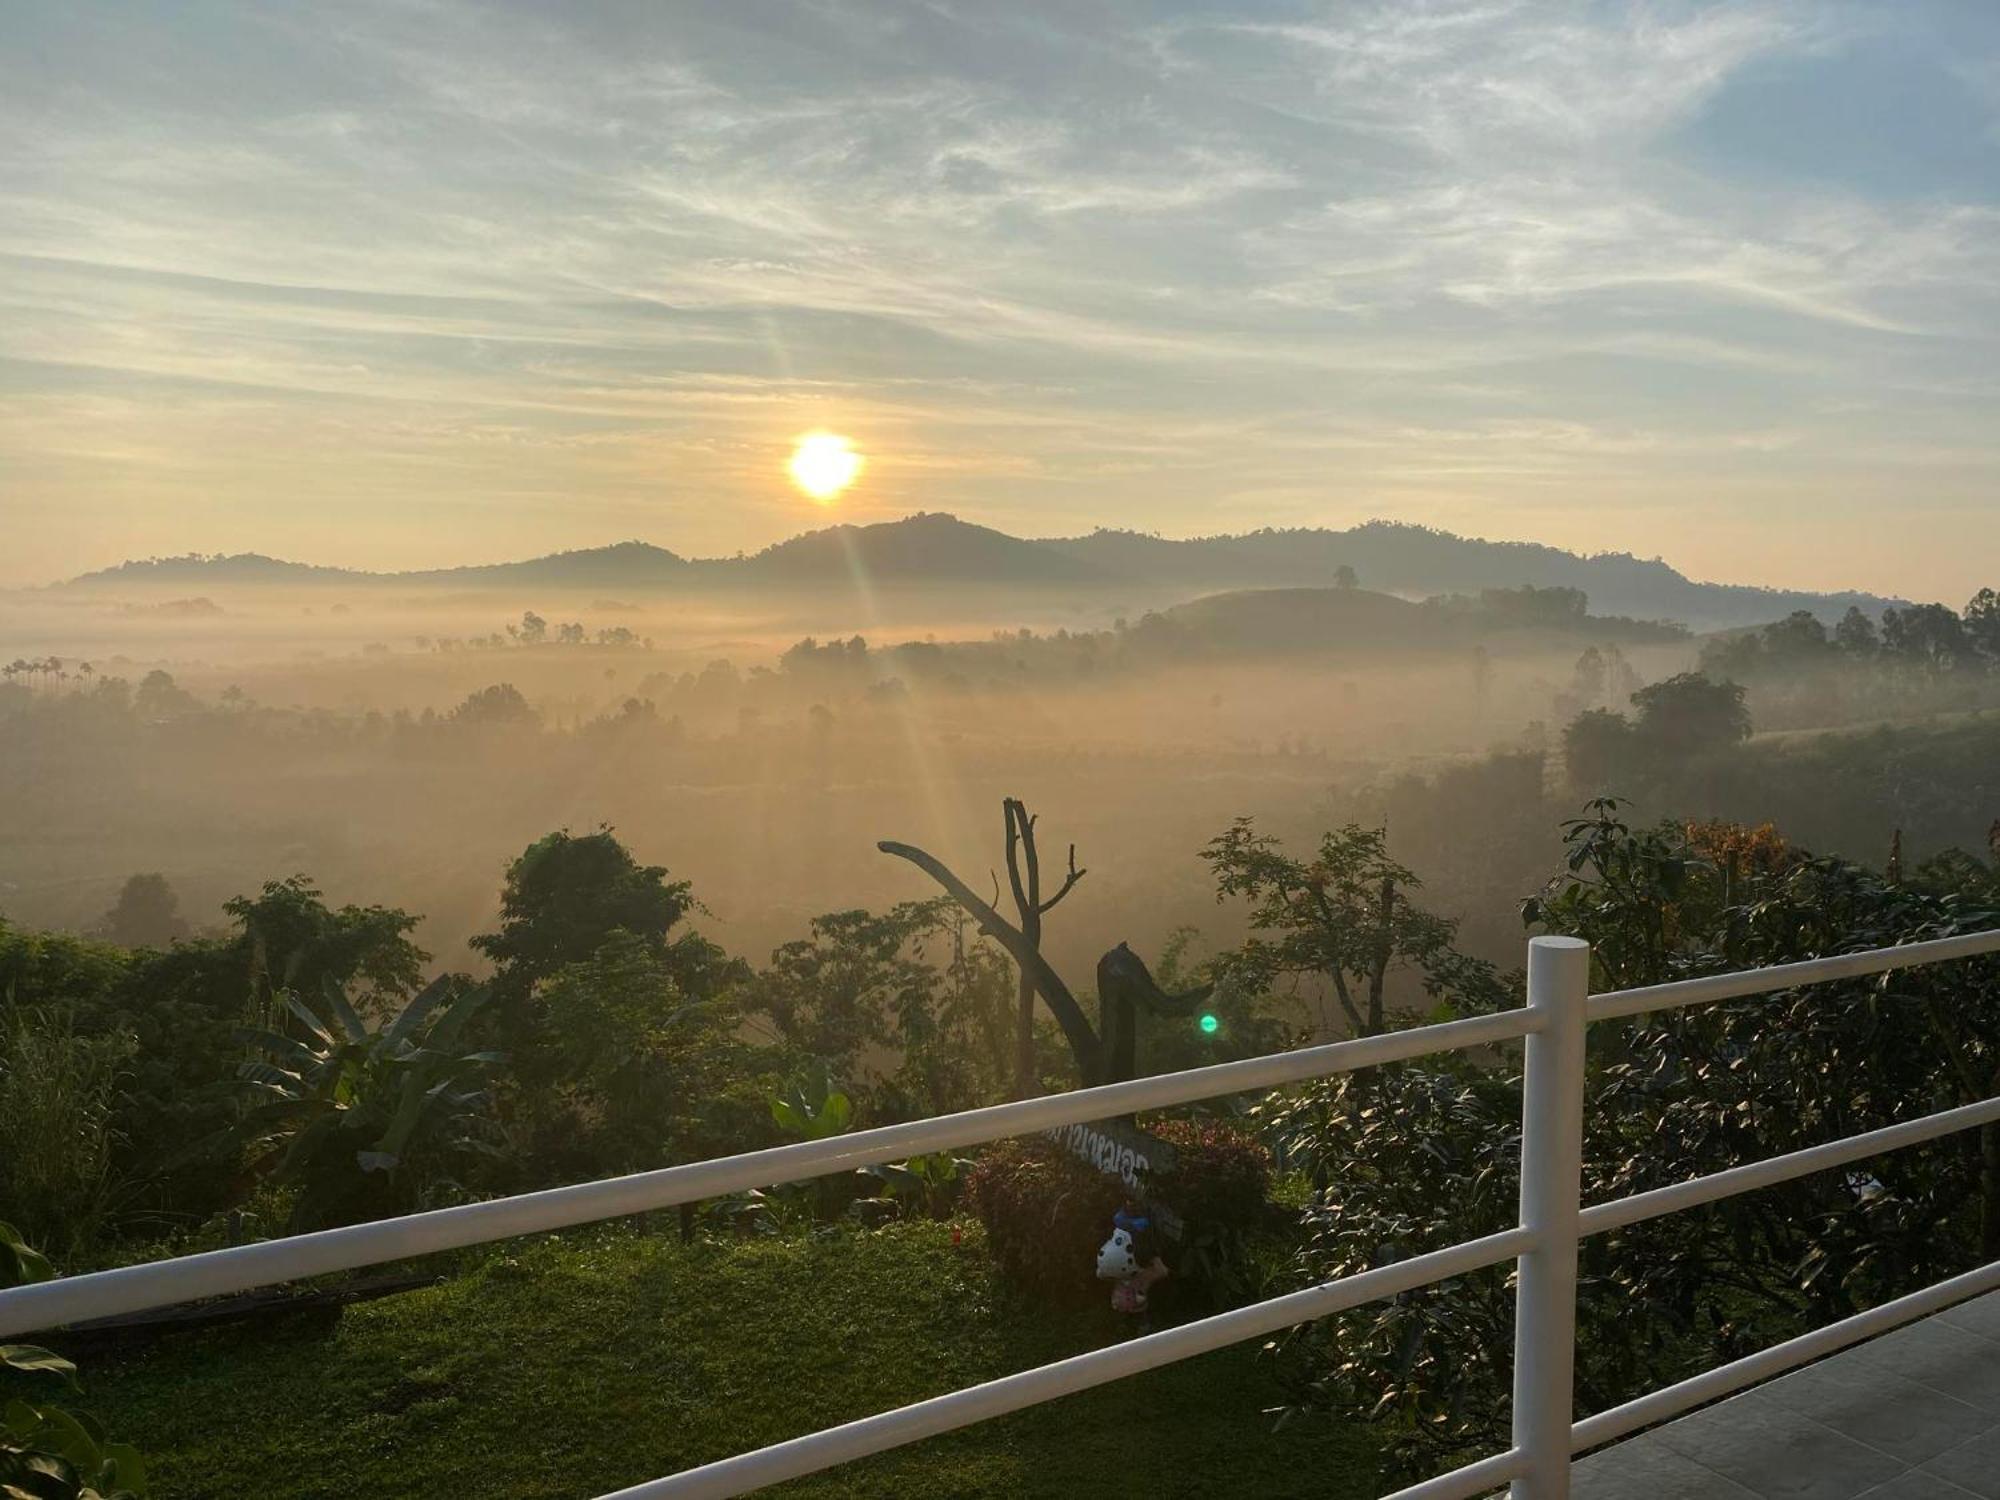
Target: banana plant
(361,1120)
(928,1185)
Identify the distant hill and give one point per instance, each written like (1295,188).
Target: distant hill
(1319,620)
(627,564)
(928,547)
(1115,567)
(1418,561)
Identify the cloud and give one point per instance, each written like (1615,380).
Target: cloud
(1141,257)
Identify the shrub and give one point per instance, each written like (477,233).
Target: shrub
(1046,1213)
(57,1088)
(1220,1186)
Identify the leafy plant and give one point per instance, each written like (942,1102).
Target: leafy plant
(814,1111)
(1045,1214)
(46,1451)
(361,1121)
(58,1113)
(925,1185)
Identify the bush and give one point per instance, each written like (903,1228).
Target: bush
(1046,1212)
(1220,1186)
(57,1173)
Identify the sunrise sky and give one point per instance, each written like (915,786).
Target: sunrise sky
(398,285)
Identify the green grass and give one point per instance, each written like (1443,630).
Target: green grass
(578,1365)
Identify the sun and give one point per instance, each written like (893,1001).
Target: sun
(824,464)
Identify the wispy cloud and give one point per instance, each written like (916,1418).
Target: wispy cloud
(591,270)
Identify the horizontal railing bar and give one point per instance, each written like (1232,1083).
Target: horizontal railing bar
(1469,1482)
(1614,1004)
(213,1273)
(962,1408)
(1724,1380)
(1602,1217)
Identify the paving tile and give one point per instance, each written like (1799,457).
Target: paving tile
(1960,1364)
(1981,1316)
(1917,1485)
(1877,1407)
(1777,1453)
(1641,1469)
(1973,1465)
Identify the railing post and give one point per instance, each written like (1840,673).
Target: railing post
(1551,1172)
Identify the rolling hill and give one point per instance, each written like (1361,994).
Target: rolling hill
(935,549)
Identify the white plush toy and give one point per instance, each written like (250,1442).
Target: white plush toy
(1115,1260)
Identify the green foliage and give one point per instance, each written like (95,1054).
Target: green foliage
(1220,1185)
(1688,714)
(622,1069)
(864,988)
(46,1451)
(1598,745)
(814,1110)
(1415,1157)
(295,941)
(929,1186)
(1243,1028)
(58,1172)
(363,1122)
(565,895)
(1343,919)
(582,1363)
(1045,1212)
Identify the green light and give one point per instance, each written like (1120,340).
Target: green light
(1211,1023)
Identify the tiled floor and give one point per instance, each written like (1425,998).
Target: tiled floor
(1913,1415)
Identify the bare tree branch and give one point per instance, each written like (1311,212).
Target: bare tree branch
(1083,1040)
(1069,881)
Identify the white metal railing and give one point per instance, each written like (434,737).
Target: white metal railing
(1544,1242)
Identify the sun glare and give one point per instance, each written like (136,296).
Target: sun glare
(824,464)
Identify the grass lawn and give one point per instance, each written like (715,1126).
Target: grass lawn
(581,1364)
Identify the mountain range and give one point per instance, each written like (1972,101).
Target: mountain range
(931,548)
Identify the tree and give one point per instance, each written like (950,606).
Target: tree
(1344,577)
(158,696)
(1588,677)
(1343,918)
(638,1073)
(1982,625)
(863,999)
(146,915)
(1688,714)
(1031,908)
(1094,1062)
(501,703)
(566,894)
(1856,635)
(533,629)
(1929,638)
(293,940)
(1597,745)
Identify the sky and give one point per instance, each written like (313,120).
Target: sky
(415,284)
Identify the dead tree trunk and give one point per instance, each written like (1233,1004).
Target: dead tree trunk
(1029,904)
(1083,1042)
(1124,986)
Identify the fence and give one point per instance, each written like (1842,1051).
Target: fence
(1544,1242)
